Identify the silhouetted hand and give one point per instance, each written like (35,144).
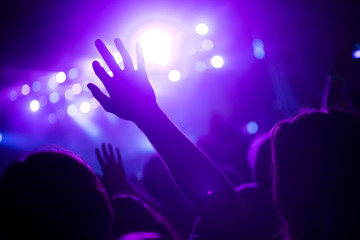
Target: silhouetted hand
(131,94)
(114,176)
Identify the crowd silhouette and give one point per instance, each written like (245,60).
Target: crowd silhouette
(299,182)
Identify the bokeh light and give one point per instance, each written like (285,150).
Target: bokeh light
(207,44)
(54,97)
(200,66)
(356,54)
(72,110)
(94,103)
(36,86)
(34,105)
(1,137)
(174,75)
(258,48)
(73,73)
(13,95)
(202,29)
(69,95)
(53,83)
(252,127)
(85,107)
(60,77)
(157,46)
(217,61)
(25,90)
(76,89)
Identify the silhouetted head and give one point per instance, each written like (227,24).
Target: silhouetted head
(131,215)
(259,157)
(53,195)
(316,167)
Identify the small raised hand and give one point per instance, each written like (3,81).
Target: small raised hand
(131,95)
(114,176)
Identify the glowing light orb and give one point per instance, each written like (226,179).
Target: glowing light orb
(76,89)
(53,83)
(13,95)
(85,107)
(73,73)
(34,105)
(69,95)
(60,77)
(207,44)
(25,90)
(157,46)
(356,54)
(94,103)
(54,97)
(174,75)
(258,49)
(36,86)
(1,137)
(72,110)
(252,127)
(52,118)
(202,29)
(200,66)
(217,61)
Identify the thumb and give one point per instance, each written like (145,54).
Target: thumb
(99,95)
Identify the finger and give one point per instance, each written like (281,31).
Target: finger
(107,56)
(128,64)
(140,57)
(106,156)
(100,159)
(111,156)
(100,72)
(99,95)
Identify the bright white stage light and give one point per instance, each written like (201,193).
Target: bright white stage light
(217,61)
(85,107)
(174,75)
(25,90)
(202,29)
(356,54)
(157,46)
(60,77)
(34,105)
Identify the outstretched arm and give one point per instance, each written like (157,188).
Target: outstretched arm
(131,97)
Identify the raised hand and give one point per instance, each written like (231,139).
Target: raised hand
(114,176)
(131,95)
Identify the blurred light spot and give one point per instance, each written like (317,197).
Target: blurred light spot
(60,77)
(52,83)
(36,86)
(52,118)
(69,94)
(54,97)
(117,57)
(94,103)
(200,66)
(72,110)
(276,104)
(252,127)
(356,54)
(258,48)
(76,89)
(60,114)
(85,107)
(217,61)
(201,29)
(13,95)
(34,105)
(25,90)
(207,44)
(209,192)
(1,137)
(157,46)
(174,75)
(43,101)
(73,73)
